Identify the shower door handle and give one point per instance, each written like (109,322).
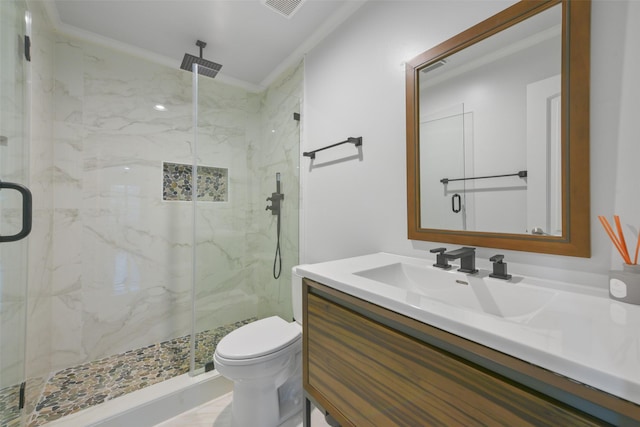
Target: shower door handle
(456,207)
(27,208)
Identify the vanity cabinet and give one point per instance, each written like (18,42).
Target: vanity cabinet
(368,366)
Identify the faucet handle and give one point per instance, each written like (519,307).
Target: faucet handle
(441,260)
(499,267)
(497,258)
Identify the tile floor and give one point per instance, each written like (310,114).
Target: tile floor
(80,387)
(9,409)
(217,413)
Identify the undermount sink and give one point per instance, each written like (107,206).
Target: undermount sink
(474,292)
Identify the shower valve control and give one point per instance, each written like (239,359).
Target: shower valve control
(275,200)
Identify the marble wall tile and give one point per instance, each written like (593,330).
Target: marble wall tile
(12,350)
(115,280)
(224,292)
(67,258)
(276,149)
(66,329)
(133,317)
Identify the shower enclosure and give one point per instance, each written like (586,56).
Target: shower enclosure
(126,278)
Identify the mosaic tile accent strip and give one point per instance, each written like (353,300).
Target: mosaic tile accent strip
(9,406)
(79,387)
(213,183)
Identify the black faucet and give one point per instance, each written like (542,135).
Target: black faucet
(467,258)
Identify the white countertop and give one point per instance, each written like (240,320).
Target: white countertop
(580,333)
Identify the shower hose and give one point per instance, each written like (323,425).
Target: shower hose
(277,261)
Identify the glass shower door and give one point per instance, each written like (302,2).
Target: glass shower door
(241,143)
(221,268)
(14,198)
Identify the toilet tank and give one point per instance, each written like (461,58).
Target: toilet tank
(296,294)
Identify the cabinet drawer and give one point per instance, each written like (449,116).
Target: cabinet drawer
(372,375)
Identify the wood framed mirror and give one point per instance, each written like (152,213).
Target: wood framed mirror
(498,134)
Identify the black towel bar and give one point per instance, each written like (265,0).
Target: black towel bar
(521,174)
(356,141)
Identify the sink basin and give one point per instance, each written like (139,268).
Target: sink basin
(409,277)
(474,292)
(502,299)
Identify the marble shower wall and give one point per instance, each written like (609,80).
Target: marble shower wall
(122,256)
(118,275)
(224,290)
(277,149)
(235,277)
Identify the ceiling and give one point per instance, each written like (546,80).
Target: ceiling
(253,42)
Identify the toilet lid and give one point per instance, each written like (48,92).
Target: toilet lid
(258,338)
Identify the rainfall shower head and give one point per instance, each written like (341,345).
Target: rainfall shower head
(205,67)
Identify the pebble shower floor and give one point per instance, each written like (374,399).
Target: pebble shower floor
(80,387)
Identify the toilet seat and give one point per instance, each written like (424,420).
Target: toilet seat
(260,340)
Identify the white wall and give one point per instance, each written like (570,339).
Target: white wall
(627,200)
(354,85)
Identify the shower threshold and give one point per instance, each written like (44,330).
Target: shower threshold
(152,405)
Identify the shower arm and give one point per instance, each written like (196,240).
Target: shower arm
(201,45)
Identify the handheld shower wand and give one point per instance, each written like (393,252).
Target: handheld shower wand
(275,200)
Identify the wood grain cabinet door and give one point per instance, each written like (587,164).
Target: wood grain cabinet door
(368,374)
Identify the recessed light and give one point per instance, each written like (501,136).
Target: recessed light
(159,107)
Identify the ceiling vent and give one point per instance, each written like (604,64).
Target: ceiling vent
(285,8)
(433,66)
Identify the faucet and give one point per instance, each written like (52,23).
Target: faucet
(467,258)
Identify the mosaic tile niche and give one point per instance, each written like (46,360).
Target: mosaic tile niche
(213,183)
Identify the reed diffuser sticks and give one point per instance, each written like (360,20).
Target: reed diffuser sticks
(619,240)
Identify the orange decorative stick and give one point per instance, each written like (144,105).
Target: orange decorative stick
(635,261)
(623,243)
(614,239)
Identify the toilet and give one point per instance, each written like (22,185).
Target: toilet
(264,361)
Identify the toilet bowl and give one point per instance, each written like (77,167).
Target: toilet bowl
(264,361)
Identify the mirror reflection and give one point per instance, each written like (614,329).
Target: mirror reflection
(490,140)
